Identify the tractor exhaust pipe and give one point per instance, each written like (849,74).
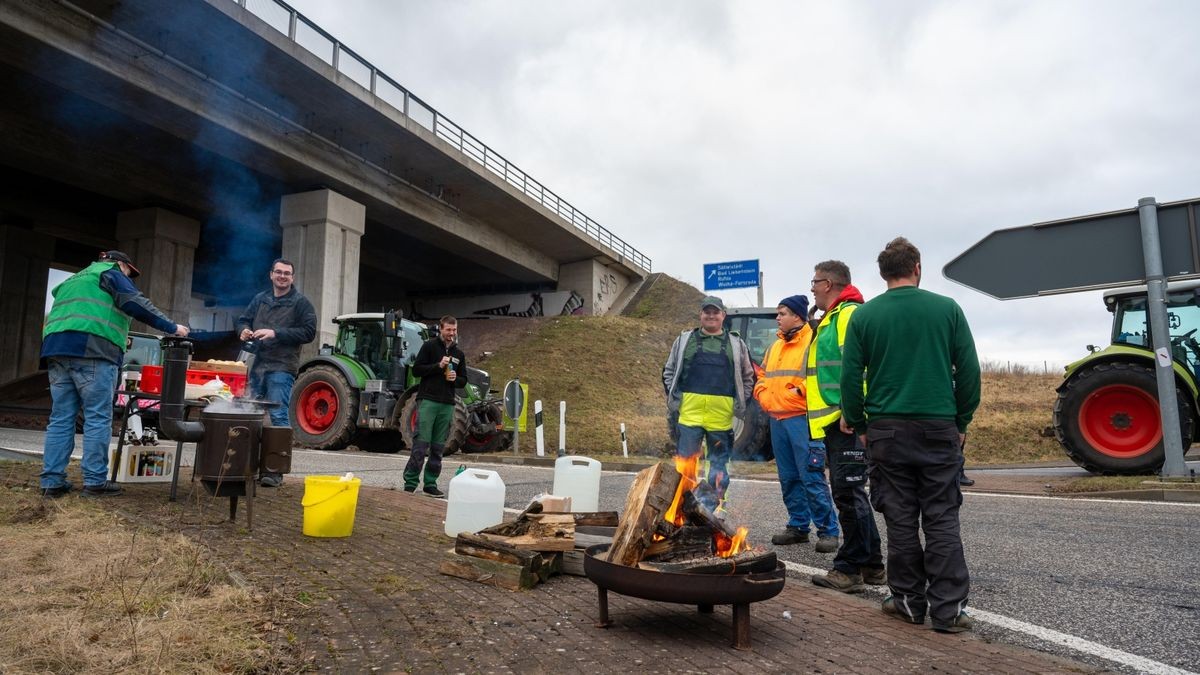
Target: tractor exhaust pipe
(176,353)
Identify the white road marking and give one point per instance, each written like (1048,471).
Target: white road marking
(1083,499)
(1141,664)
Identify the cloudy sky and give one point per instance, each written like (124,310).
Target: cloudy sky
(793,132)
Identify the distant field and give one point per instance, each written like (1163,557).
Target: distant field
(608,370)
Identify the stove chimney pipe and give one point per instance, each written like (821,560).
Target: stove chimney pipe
(176,354)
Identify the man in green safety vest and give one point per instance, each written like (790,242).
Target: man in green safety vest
(83,343)
(859,560)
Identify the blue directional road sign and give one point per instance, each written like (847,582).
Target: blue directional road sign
(724,275)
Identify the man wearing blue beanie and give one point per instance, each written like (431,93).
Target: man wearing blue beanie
(800,462)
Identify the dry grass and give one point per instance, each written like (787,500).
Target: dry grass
(1113,483)
(1015,411)
(86,591)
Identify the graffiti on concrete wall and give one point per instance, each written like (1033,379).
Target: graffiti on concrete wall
(518,305)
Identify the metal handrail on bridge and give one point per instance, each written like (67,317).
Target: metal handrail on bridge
(299,29)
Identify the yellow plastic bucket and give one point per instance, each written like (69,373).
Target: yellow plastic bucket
(329,503)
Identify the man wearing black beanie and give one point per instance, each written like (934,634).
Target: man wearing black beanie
(800,462)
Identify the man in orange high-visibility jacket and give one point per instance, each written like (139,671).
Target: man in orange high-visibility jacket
(800,461)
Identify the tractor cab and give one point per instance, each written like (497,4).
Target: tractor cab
(1131,323)
(362,337)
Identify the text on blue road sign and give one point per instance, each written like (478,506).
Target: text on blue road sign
(736,274)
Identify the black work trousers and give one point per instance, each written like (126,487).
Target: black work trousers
(860,536)
(914,468)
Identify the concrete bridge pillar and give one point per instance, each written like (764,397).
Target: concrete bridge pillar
(322,235)
(600,285)
(24,265)
(163,246)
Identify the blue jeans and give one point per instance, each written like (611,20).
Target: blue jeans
(274,385)
(801,466)
(79,384)
(719,448)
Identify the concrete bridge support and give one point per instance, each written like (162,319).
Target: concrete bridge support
(25,257)
(322,233)
(163,245)
(599,284)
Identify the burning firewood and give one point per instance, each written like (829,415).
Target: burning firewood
(652,493)
(747,562)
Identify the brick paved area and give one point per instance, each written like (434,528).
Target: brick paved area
(378,604)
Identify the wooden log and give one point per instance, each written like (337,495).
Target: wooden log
(587,535)
(546,532)
(516,526)
(649,497)
(746,562)
(596,519)
(481,546)
(690,542)
(572,563)
(490,572)
(698,514)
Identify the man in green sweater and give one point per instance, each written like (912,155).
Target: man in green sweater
(922,387)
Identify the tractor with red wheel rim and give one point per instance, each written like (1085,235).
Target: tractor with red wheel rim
(361,391)
(1107,415)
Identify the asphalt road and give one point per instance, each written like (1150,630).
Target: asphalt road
(1111,583)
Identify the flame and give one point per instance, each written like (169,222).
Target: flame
(727,548)
(689,470)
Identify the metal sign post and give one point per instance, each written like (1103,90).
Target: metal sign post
(514,403)
(1095,252)
(1156,305)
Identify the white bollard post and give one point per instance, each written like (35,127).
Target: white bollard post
(537,428)
(624,443)
(562,428)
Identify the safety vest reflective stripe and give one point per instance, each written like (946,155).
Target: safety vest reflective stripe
(784,373)
(823,388)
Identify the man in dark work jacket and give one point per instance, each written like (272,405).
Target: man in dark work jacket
(442,367)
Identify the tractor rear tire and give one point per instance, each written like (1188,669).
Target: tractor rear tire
(323,409)
(458,426)
(1107,419)
(752,435)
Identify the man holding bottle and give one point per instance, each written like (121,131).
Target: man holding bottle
(442,367)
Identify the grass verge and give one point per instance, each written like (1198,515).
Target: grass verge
(88,591)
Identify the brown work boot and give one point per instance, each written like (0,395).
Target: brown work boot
(826,544)
(873,576)
(840,581)
(958,624)
(789,536)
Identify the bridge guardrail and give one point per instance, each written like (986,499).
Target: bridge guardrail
(283,18)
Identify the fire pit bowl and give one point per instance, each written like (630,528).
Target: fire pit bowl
(702,590)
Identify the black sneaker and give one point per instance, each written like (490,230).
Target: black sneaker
(963,480)
(433,491)
(105,489)
(789,536)
(271,480)
(57,491)
(410,488)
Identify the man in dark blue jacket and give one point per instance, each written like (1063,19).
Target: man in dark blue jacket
(83,342)
(279,321)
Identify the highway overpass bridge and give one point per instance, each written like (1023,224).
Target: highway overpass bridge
(208,137)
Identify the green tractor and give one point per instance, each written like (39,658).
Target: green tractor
(1107,415)
(361,391)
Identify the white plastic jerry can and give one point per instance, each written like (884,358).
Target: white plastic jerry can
(578,478)
(476,501)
